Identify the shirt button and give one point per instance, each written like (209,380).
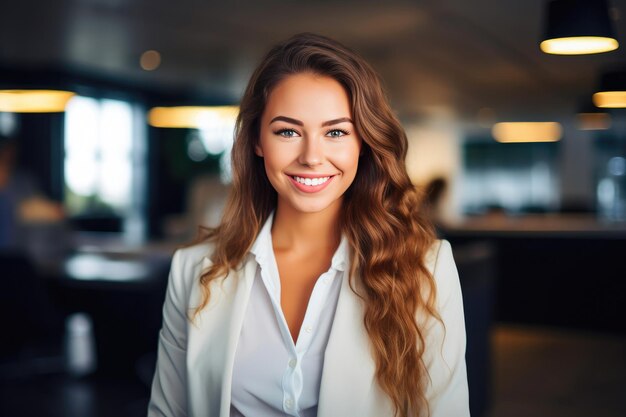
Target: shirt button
(326,280)
(292,363)
(288,403)
(308,329)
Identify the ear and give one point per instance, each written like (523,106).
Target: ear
(258,150)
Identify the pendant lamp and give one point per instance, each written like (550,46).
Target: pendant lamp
(34,101)
(578,27)
(512,132)
(612,91)
(194,117)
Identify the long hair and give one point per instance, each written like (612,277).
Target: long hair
(387,234)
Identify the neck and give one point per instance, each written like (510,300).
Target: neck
(294,230)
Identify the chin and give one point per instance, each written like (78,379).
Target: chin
(311,206)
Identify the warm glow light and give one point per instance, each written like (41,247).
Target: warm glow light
(34,101)
(150,60)
(195,117)
(579,45)
(527,132)
(593,121)
(610,99)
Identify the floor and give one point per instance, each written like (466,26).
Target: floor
(557,373)
(56,396)
(536,372)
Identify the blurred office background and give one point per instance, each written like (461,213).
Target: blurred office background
(520,156)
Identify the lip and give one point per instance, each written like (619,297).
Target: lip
(310,188)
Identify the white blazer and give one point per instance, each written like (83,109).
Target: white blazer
(195,361)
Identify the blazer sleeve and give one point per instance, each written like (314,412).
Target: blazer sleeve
(169,385)
(447,392)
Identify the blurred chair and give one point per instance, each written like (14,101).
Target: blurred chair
(31,324)
(476,263)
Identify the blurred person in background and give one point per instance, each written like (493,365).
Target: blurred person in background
(24,209)
(323,291)
(14,189)
(431,204)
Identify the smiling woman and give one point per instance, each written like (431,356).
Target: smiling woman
(307,152)
(323,291)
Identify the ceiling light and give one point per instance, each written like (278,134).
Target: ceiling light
(578,27)
(150,60)
(580,45)
(34,101)
(612,90)
(194,117)
(510,132)
(610,99)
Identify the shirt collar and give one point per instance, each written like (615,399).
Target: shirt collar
(262,246)
(263,241)
(341,255)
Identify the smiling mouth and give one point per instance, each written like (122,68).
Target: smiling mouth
(311,182)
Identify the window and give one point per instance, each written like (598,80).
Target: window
(104,162)
(515,177)
(610,175)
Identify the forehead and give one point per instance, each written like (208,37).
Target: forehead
(308,97)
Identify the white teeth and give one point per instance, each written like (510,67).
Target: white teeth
(311,181)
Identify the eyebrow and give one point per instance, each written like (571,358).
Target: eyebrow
(300,123)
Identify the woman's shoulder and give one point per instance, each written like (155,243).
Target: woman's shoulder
(194,253)
(188,262)
(440,262)
(437,249)
(444,357)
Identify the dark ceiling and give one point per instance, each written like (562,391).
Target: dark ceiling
(445,56)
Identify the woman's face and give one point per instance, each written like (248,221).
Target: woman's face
(308,142)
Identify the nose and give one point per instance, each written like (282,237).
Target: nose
(312,152)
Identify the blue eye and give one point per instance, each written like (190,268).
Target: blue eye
(286,133)
(337,133)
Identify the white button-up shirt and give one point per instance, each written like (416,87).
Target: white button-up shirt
(271,375)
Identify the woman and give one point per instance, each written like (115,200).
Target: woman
(323,291)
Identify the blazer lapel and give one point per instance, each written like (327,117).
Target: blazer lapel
(349,385)
(213,341)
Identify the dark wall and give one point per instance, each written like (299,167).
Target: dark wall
(40,150)
(575,282)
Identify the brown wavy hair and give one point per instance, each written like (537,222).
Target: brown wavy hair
(388,235)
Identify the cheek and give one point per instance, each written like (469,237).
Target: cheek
(275,161)
(270,173)
(279,156)
(348,160)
